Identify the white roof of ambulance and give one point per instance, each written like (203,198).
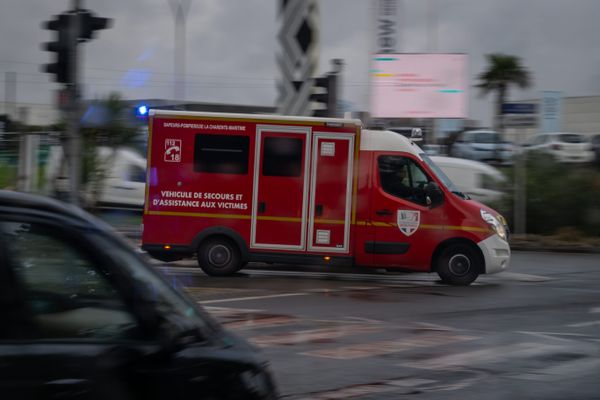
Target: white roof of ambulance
(374,140)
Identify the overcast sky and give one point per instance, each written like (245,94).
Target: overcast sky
(231,46)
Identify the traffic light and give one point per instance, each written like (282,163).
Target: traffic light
(324,93)
(72,27)
(61,68)
(89,23)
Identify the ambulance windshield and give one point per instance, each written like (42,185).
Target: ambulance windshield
(442,176)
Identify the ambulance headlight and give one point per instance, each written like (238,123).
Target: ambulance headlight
(494,223)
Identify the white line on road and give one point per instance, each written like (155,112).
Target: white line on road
(495,354)
(272,296)
(564,370)
(524,277)
(584,324)
(417,277)
(552,334)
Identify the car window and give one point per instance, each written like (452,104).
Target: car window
(402,177)
(539,140)
(487,137)
(136,174)
(571,138)
(67,293)
(491,182)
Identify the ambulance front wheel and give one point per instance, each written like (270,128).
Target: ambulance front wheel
(219,257)
(459,264)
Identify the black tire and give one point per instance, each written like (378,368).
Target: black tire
(219,257)
(459,264)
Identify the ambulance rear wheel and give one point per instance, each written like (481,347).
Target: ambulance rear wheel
(219,257)
(458,264)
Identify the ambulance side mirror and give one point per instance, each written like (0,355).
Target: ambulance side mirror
(434,195)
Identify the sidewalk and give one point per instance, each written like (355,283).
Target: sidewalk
(554,244)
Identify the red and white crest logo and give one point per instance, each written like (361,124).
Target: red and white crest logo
(408,221)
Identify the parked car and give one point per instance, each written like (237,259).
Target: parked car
(480,181)
(483,145)
(119,179)
(84,316)
(564,147)
(432,149)
(595,142)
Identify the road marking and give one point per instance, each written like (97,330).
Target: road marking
(524,277)
(208,291)
(564,370)
(584,324)
(261,322)
(226,311)
(552,334)
(312,335)
(388,346)
(495,354)
(361,287)
(595,310)
(545,336)
(271,296)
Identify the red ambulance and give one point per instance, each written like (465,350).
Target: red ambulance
(237,188)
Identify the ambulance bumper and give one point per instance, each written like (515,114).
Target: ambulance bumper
(496,253)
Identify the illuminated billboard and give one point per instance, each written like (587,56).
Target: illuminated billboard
(419,86)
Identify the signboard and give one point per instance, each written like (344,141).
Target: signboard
(551,111)
(519,108)
(520,121)
(419,86)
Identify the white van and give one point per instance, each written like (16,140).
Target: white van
(119,180)
(480,181)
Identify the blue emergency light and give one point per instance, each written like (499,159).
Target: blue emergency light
(142,110)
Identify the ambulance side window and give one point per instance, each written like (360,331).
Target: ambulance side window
(221,154)
(402,177)
(282,157)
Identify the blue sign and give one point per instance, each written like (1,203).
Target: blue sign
(551,111)
(518,108)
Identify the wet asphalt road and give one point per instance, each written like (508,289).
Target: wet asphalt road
(532,332)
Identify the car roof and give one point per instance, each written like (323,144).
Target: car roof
(25,203)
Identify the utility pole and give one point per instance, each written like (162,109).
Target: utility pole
(73,137)
(520,190)
(10,94)
(180,10)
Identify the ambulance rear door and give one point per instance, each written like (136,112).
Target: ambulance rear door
(280,193)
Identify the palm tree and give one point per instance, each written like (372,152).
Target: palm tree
(503,71)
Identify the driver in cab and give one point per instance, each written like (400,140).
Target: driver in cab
(396,181)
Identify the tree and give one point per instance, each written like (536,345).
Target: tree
(112,129)
(503,71)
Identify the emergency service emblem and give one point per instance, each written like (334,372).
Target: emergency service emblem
(173,150)
(408,221)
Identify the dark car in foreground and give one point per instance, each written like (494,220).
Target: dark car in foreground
(83,316)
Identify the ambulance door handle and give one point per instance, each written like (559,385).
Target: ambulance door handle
(319,210)
(385,211)
(262,206)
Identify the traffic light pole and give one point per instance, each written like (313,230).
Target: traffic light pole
(72,27)
(72,144)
